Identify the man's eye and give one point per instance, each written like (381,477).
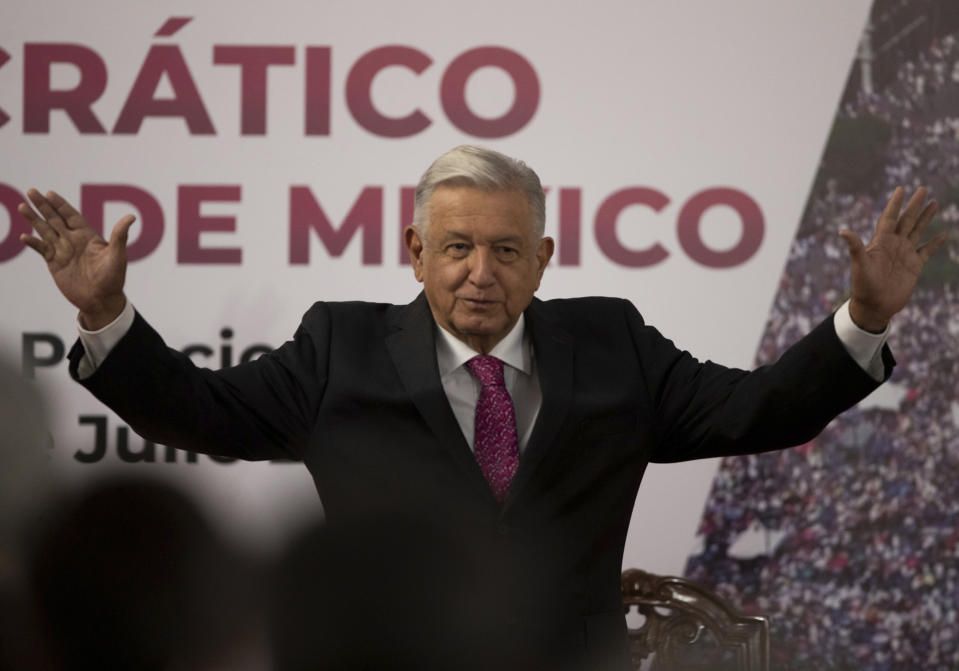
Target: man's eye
(506,252)
(457,249)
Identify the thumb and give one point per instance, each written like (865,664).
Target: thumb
(118,237)
(852,242)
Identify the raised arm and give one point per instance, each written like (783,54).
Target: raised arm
(259,410)
(884,272)
(88,270)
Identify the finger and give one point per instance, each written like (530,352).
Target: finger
(931,246)
(38,245)
(121,231)
(63,208)
(46,209)
(909,216)
(856,248)
(890,216)
(39,225)
(928,212)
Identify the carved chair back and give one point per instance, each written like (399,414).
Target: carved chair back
(685,627)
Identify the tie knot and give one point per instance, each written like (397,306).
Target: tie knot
(487,369)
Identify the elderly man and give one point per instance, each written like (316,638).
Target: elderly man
(519,425)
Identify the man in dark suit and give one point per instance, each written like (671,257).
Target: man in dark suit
(411,410)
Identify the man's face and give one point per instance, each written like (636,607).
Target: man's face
(478,262)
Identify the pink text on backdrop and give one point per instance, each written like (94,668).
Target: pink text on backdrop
(167,62)
(309,222)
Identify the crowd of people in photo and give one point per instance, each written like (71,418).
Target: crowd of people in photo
(865,571)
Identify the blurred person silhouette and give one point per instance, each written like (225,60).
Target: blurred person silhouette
(25,483)
(25,476)
(399,593)
(127,574)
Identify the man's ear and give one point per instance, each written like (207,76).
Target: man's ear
(544,252)
(414,245)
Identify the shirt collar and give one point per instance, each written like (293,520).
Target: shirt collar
(513,350)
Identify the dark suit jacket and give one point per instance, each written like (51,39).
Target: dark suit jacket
(356,396)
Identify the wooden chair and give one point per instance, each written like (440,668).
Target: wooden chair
(688,627)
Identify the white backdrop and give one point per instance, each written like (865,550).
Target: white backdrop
(679,97)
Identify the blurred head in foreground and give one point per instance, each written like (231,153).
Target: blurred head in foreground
(128,575)
(25,485)
(25,478)
(391,593)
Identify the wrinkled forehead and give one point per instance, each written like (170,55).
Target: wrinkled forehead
(481,210)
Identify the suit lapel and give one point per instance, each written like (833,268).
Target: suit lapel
(553,350)
(411,345)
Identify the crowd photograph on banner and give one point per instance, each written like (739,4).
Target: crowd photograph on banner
(849,542)
(621,337)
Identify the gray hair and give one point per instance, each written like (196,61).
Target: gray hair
(481,168)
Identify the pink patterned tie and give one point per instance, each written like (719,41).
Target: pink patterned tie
(494,442)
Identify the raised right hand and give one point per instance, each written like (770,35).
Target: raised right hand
(88,270)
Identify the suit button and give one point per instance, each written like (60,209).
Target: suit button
(503,529)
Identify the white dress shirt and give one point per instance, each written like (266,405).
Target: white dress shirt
(516,352)
(519,373)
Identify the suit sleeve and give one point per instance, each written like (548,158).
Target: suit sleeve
(263,409)
(702,409)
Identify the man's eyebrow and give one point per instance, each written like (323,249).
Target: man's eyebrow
(454,235)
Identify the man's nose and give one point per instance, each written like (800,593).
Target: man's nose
(481,267)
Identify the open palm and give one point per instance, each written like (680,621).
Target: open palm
(88,270)
(885,271)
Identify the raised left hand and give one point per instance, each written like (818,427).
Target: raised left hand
(885,271)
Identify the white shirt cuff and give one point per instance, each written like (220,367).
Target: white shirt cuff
(864,347)
(98,344)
